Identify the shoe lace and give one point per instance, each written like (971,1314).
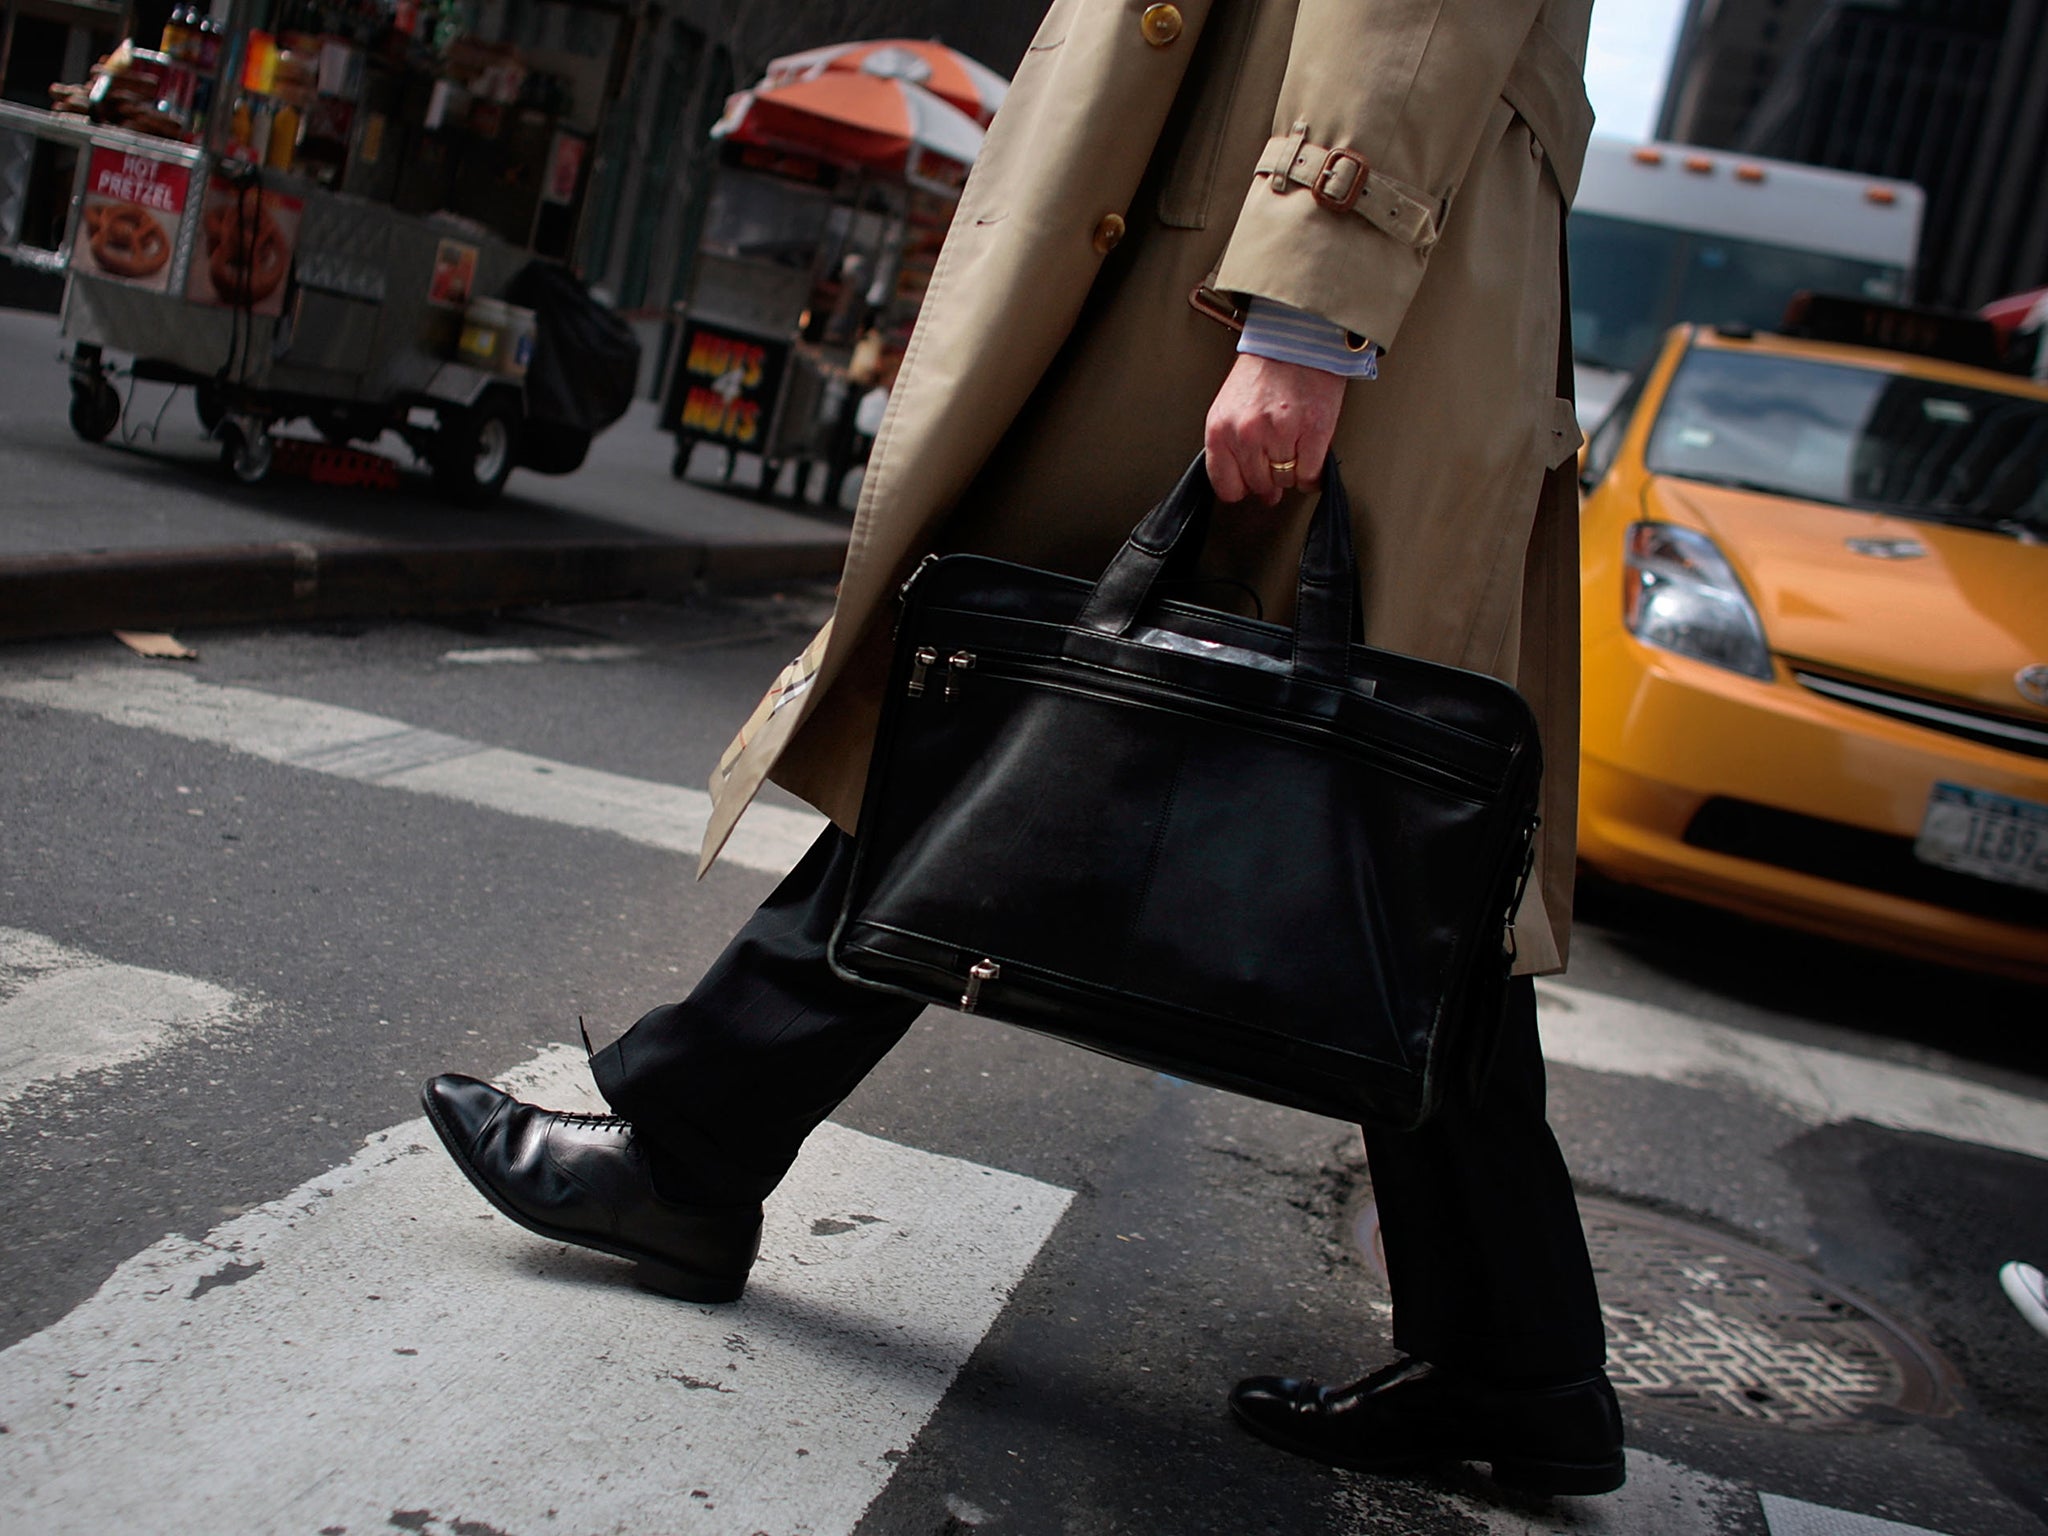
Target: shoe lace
(597,1120)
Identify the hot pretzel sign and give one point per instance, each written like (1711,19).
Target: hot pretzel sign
(247,236)
(130,217)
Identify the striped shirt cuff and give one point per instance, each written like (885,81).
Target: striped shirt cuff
(1289,335)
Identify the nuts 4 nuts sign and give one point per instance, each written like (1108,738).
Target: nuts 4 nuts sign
(130,217)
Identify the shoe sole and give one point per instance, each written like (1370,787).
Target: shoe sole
(1522,1474)
(1570,1478)
(662,1276)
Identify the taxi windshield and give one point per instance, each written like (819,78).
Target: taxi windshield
(1856,437)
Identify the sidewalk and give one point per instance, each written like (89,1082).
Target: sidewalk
(150,534)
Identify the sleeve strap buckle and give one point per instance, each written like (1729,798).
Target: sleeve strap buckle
(1343,176)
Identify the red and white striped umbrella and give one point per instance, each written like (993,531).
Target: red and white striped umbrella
(948,74)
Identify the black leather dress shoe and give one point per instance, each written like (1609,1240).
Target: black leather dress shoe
(584,1179)
(1562,1438)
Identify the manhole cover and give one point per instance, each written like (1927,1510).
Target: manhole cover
(1705,1325)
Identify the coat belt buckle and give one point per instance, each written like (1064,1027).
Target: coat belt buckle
(1333,188)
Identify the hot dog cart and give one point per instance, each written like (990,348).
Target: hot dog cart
(371,246)
(837,176)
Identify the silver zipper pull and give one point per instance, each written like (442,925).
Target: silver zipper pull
(958,665)
(923,661)
(985,970)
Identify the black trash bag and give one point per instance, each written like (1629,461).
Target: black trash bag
(586,361)
(550,447)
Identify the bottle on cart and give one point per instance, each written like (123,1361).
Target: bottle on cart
(212,45)
(180,38)
(284,137)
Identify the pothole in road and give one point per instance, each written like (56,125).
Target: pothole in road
(1711,1327)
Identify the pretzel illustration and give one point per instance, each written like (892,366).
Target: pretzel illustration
(246,251)
(126,240)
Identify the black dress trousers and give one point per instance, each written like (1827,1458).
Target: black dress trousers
(1486,1257)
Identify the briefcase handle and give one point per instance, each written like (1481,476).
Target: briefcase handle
(1326,595)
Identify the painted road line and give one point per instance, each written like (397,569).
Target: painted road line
(1611,1034)
(351,744)
(64,1011)
(379,1349)
(534,655)
(1791,1517)
(1660,1498)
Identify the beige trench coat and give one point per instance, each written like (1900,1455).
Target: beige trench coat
(1058,378)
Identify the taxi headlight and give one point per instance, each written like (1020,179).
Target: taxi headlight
(1679,593)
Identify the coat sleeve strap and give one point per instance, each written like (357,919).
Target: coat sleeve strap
(1341,180)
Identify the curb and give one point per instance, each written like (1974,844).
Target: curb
(46,597)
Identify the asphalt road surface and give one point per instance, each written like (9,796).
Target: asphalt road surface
(248,902)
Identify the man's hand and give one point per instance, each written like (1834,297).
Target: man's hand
(1266,415)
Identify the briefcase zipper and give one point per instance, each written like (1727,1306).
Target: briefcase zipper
(1040,674)
(958,665)
(978,973)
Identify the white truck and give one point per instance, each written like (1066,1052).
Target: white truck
(1664,233)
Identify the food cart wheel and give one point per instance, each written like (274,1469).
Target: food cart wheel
(473,451)
(246,450)
(211,408)
(95,408)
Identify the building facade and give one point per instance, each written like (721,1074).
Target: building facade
(1943,93)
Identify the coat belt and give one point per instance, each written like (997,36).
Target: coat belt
(1546,86)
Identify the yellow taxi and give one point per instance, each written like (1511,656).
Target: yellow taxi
(1815,623)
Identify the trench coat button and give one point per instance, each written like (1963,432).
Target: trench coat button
(1109,234)
(1161,24)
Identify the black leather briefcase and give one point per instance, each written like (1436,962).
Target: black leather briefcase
(1268,859)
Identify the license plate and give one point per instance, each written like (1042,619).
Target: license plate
(1994,837)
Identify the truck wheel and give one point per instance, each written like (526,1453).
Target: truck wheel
(95,409)
(246,453)
(473,452)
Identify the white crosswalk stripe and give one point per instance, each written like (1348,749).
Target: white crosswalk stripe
(375,1345)
(1795,1517)
(1611,1034)
(64,1012)
(536,655)
(352,744)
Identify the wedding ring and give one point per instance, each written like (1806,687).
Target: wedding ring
(1283,467)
